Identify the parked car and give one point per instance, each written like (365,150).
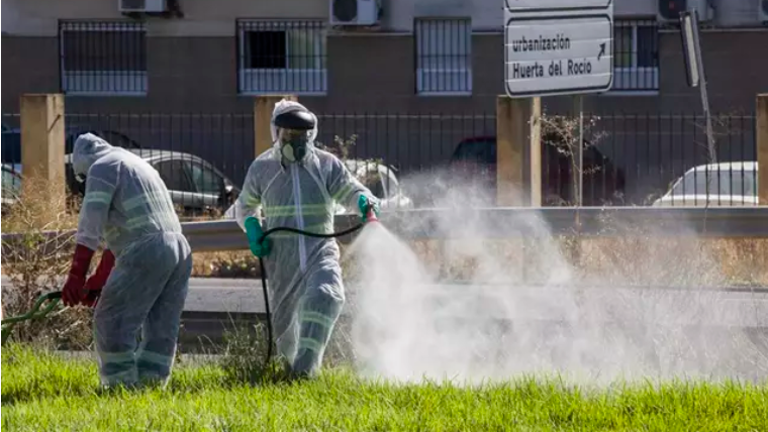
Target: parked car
(730,184)
(194,183)
(11,141)
(11,185)
(473,163)
(379,178)
(382,182)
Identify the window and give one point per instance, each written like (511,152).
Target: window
(206,180)
(174,174)
(103,58)
(282,56)
(636,56)
(443,56)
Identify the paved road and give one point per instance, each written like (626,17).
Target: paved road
(214,305)
(730,306)
(719,308)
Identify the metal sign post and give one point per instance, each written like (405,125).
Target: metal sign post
(580,107)
(694,67)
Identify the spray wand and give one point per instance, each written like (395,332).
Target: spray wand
(256,236)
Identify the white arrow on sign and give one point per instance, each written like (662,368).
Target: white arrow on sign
(548,5)
(558,55)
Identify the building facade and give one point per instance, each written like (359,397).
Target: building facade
(440,57)
(420,55)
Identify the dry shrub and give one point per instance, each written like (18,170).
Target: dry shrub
(633,259)
(742,261)
(228,264)
(209,214)
(36,261)
(649,260)
(640,257)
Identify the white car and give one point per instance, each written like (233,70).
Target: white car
(730,184)
(379,178)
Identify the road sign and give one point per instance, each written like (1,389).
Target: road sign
(558,51)
(557,5)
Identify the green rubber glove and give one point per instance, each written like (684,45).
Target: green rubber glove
(364,204)
(254,232)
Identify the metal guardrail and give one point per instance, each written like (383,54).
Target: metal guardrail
(722,222)
(717,222)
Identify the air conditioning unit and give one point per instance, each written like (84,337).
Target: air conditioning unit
(762,12)
(669,10)
(149,6)
(354,12)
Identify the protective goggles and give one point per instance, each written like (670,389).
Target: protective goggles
(293,135)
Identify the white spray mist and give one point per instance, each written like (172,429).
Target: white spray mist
(408,325)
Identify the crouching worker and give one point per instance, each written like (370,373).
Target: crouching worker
(127,204)
(297,184)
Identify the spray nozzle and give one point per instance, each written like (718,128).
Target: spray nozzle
(368,209)
(371,215)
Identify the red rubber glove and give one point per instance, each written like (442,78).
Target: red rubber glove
(96,282)
(73,291)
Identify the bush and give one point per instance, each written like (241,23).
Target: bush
(36,260)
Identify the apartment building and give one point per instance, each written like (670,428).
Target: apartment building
(357,57)
(351,55)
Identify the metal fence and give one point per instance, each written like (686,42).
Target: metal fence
(628,159)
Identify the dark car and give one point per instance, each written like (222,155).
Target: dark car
(11,185)
(11,141)
(194,183)
(474,161)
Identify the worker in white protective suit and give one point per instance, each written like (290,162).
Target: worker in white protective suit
(298,184)
(127,205)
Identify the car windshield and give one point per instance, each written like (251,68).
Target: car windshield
(721,182)
(11,147)
(371,178)
(479,151)
(11,183)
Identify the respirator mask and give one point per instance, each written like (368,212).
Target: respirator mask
(293,144)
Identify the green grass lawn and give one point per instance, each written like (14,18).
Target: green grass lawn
(44,392)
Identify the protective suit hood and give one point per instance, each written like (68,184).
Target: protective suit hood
(283,107)
(88,149)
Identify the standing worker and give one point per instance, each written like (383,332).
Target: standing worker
(298,184)
(127,204)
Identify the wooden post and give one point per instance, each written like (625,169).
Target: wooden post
(262,111)
(518,136)
(514,132)
(762,149)
(42,145)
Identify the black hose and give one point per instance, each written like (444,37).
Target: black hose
(264,273)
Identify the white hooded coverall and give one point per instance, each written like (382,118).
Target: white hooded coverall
(304,274)
(127,204)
